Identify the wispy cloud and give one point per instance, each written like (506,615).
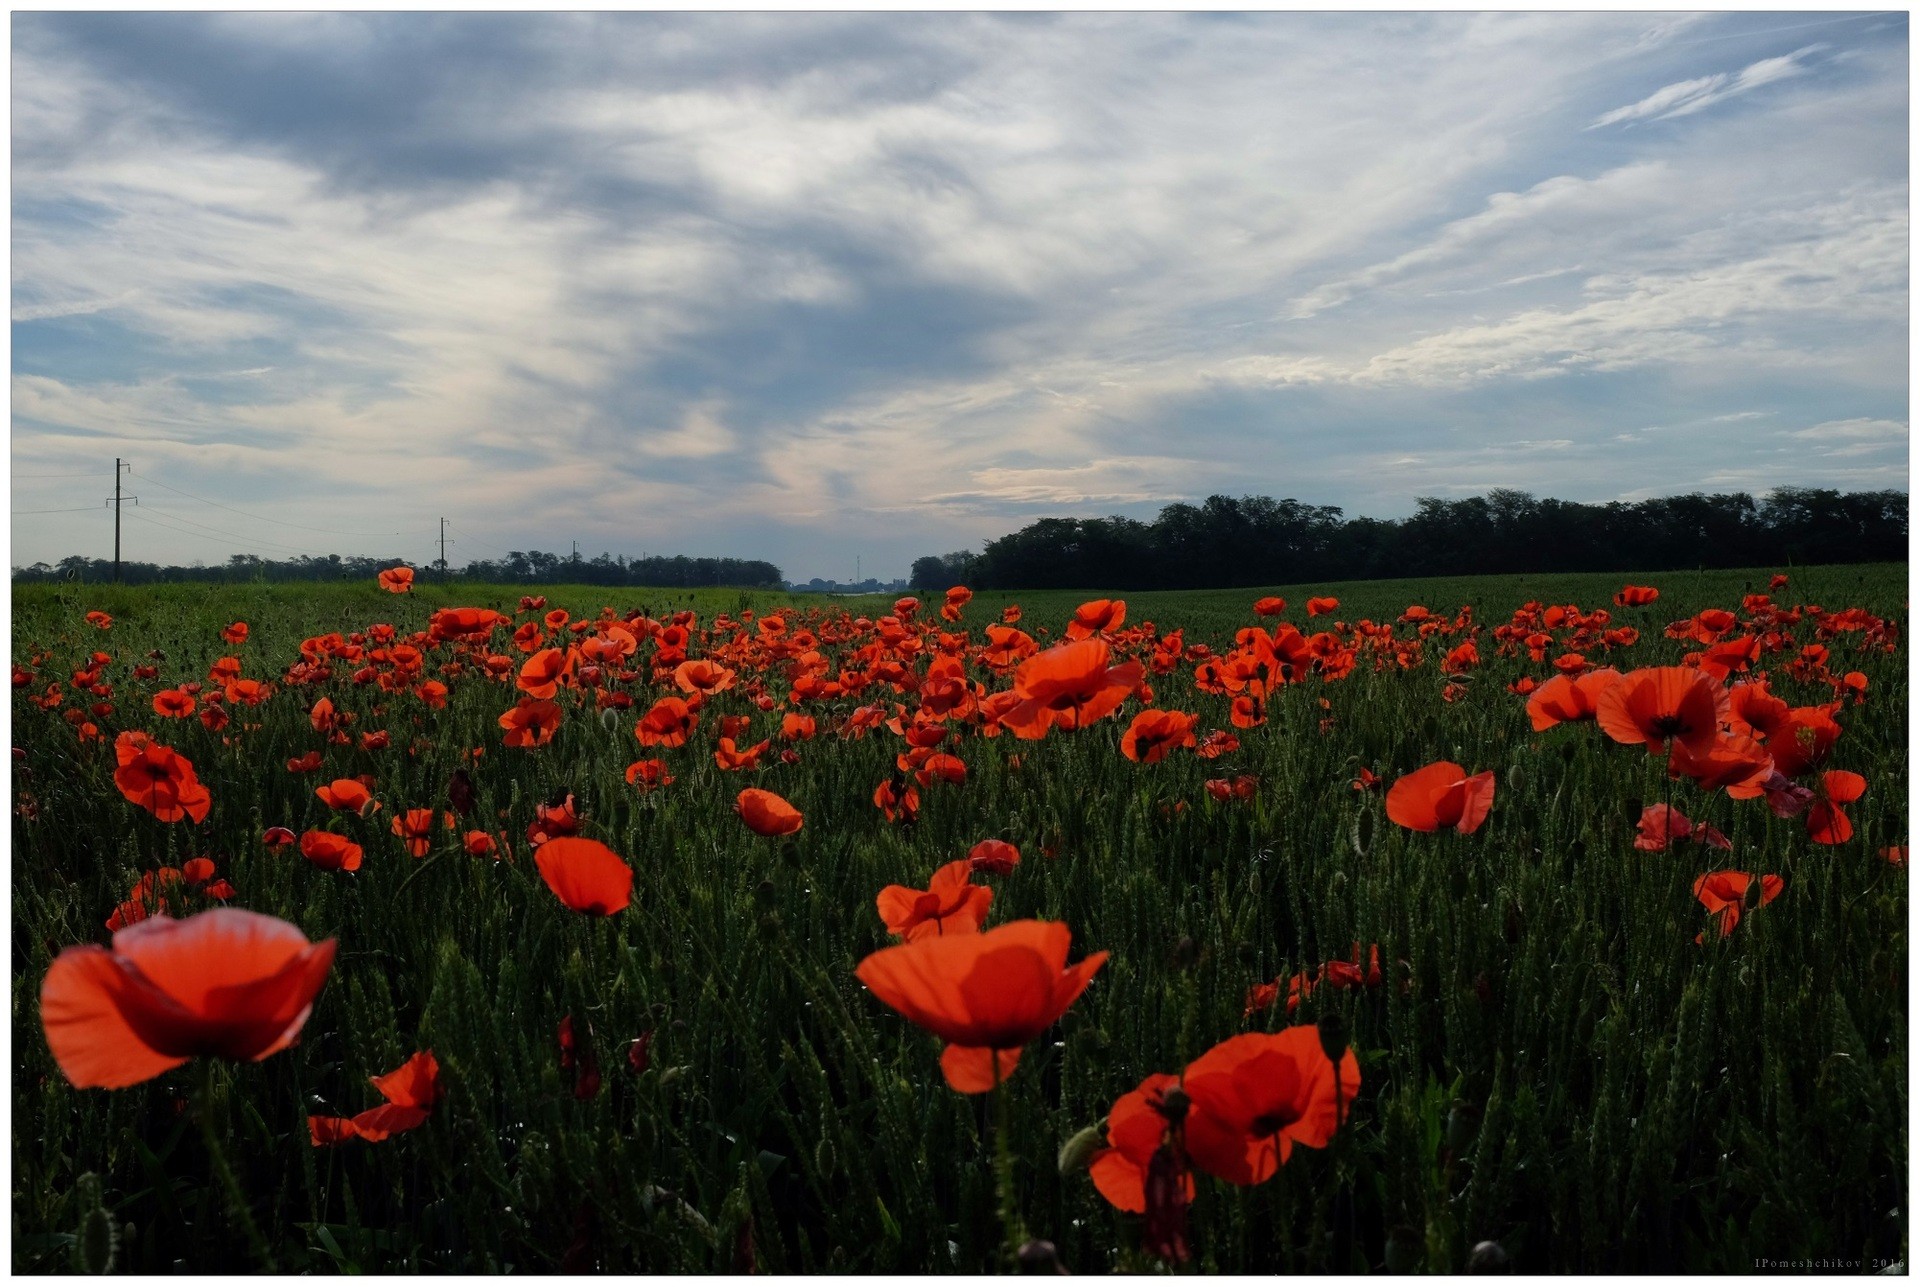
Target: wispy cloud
(1683,98)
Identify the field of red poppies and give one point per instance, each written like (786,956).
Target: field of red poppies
(1468,924)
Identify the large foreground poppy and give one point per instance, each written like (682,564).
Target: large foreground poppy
(1441,795)
(1255,1096)
(227,982)
(987,995)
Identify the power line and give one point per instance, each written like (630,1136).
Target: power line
(474,540)
(75,510)
(331,531)
(88,474)
(147,517)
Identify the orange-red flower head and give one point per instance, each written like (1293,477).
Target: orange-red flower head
(950,904)
(585,874)
(1441,795)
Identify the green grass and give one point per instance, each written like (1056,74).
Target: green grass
(1553,1064)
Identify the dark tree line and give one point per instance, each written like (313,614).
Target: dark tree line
(1257,540)
(530,567)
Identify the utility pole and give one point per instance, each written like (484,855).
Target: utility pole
(443,546)
(118,465)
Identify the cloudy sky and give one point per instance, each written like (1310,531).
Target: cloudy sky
(812,287)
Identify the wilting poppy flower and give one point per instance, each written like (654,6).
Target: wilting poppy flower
(227,982)
(987,995)
(1155,733)
(159,779)
(1662,824)
(1243,787)
(397,580)
(411,1091)
(1827,823)
(415,826)
(994,857)
(531,723)
(1365,780)
(1441,795)
(348,795)
(276,837)
(330,852)
(1725,893)
(767,814)
(949,904)
(1565,698)
(1257,1095)
(897,802)
(585,874)
(729,756)
(1097,617)
(667,724)
(1661,704)
(1136,1130)
(1635,596)
(1320,607)
(173,703)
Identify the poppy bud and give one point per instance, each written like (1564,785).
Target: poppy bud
(1489,1258)
(1174,1104)
(1247,953)
(1404,1250)
(1516,777)
(672,1075)
(1080,1148)
(770,925)
(1038,1256)
(1333,1037)
(765,894)
(610,719)
(1363,832)
(96,1242)
(1185,953)
(1568,751)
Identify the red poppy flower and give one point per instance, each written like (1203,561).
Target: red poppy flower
(1154,734)
(1827,823)
(330,852)
(1441,795)
(667,724)
(702,676)
(897,802)
(415,826)
(159,779)
(276,837)
(730,756)
(1068,686)
(100,619)
(1270,606)
(1136,1130)
(987,995)
(649,775)
(1257,1095)
(1661,704)
(397,580)
(994,857)
(531,723)
(1566,698)
(767,814)
(173,703)
(545,671)
(1635,596)
(950,903)
(348,795)
(411,1091)
(1739,764)
(1725,893)
(1803,744)
(1321,607)
(1097,617)
(1662,824)
(585,874)
(227,982)
(236,633)
(478,843)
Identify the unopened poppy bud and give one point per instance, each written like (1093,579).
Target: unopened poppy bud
(1174,1104)
(1185,953)
(765,894)
(1080,1148)
(671,1075)
(610,720)
(1038,1256)
(96,1242)
(1516,777)
(1333,1037)
(1363,832)
(1489,1258)
(367,809)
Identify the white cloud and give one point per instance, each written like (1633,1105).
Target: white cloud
(1683,98)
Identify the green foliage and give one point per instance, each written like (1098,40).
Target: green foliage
(1552,1062)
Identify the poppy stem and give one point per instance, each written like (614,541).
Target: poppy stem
(217,1154)
(1003,1169)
